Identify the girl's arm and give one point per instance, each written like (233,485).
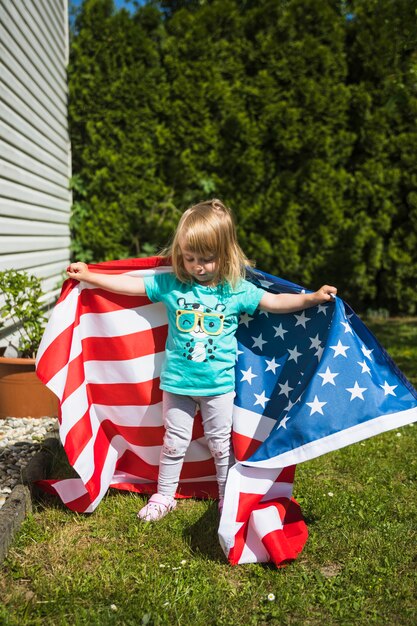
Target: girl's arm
(289,303)
(117,283)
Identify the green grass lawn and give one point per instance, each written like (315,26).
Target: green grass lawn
(359,565)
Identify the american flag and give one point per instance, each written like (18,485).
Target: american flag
(306,383)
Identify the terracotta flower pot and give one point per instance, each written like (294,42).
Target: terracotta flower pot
(22,394)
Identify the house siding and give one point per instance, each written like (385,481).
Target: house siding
(35,159)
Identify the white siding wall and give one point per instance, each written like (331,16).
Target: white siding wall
(34,143)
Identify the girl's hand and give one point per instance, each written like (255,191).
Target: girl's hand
(325,294)
(116,283)
(78,270)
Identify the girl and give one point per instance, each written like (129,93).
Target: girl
(204,296)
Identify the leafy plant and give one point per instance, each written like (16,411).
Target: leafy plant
(21,302)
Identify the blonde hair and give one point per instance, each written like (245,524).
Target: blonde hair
(208,228)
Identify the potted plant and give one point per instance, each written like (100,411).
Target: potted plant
(22,394)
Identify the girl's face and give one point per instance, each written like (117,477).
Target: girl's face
(202,268)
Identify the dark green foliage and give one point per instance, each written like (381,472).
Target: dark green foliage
(118,95)
(298,113)
(382,45)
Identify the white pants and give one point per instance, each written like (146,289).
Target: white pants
(178,417)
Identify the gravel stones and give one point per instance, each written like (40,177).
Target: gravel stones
(20,439)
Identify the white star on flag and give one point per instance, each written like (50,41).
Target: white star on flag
(265,283)
(319,352)
(348,327)
(294,354)
(315,342)
(339,349)
(247,375)
(316,406)
(356,391)
(271,365)
(365,368)
(322,309)
(258,342)
(289,406)
(245,319)
(388,389)
(328,377)
(279,331)
(283,422)
(367,353)
(238,352)
(261,399)
(302,319)
(285,389)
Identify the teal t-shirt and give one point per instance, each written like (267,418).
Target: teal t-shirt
(202,322)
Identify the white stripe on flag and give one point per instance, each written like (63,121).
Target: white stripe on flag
(242,480)
(137,370)
(278,490)
(338,440)
(122,477)
(261,523)
(106,474)
(254,550)
(164,269)
(72,409)
(266,520)
(57,383)
(198,479)
(61,318)
(257,480)
(123,321)
(70,489)
(251,424)
(130,415)
(84,464)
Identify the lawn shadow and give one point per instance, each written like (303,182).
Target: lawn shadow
(44,500)
(202,536)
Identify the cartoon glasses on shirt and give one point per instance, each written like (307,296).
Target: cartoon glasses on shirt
(210,323)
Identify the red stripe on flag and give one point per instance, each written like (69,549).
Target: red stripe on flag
(131,346)
(125,394)
(75,377)
(55,356)
(244,446)
(81,504)
(132,464)
(284,545)
(126,265)
(202,489)
(136,466)
(198,430)
(78,437)
(135,435)
(101,301)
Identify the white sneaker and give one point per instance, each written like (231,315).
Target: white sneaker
(158,506)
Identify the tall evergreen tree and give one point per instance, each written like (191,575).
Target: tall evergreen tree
(117,93)
(381,232)
(298,104)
